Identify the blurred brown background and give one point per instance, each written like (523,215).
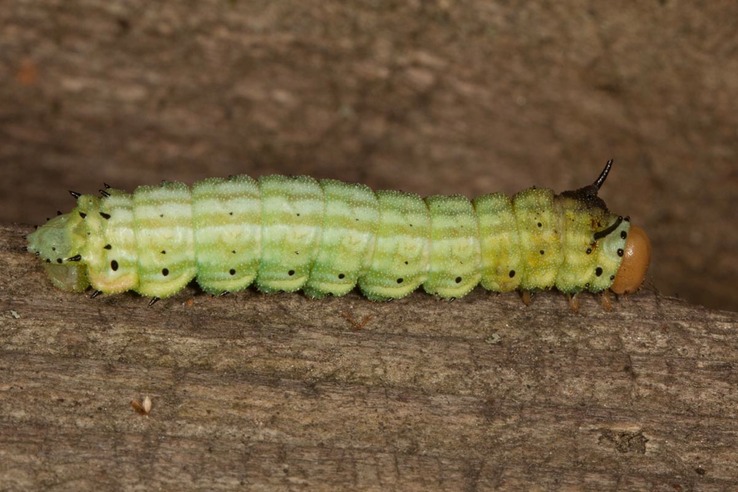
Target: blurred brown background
(425,96)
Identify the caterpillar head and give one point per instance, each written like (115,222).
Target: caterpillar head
(637,251)
(56,244)
(636,258)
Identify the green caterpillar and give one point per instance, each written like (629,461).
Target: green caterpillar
(325,237)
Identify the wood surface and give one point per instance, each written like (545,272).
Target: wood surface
(281,392)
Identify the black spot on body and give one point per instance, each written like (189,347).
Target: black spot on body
(458,280)
(291,273)
(59,260)
(114,265)
(104,215)
(107,246)
(232,271)
(341,276)
(598,271)
(511,274)
(623,234)
(399,280)
(82,214)
(540,225)
(620,252)
(589,251)
(542,252)
(165,271)
(163,251)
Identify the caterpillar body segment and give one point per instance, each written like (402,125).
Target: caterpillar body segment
(347,241)
(227,223)
(325,237)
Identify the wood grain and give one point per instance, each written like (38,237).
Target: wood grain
(281,392)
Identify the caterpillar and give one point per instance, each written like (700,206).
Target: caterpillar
(326,237)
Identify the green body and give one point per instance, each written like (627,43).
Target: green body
(325,237)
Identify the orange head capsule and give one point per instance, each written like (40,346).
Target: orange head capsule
(636,257)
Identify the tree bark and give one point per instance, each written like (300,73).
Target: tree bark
(285,392)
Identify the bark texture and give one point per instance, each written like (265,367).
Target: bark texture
(281,392)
